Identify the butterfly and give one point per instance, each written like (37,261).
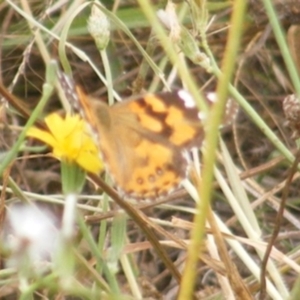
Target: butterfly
(144,140)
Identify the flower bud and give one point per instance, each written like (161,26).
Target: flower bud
(99,27)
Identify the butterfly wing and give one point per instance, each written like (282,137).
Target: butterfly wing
(143,141)
(145,144)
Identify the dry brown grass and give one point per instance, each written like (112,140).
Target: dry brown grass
(255,167)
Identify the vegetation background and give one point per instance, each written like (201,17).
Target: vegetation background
(146,250)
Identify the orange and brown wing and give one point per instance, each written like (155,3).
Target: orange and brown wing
(143,141)
(151,135)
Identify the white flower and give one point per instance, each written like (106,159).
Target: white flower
(99,27)
(30,234)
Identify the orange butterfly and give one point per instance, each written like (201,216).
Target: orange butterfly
(144,140)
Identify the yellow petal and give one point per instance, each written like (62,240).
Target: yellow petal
(59,127)
(42,135)
(90,162)
(70,141)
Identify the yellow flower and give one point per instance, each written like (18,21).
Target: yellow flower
(70,141)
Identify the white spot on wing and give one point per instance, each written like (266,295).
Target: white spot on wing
(187,99)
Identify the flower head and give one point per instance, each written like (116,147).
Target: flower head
(99,27)
(70,141)
(32,241)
